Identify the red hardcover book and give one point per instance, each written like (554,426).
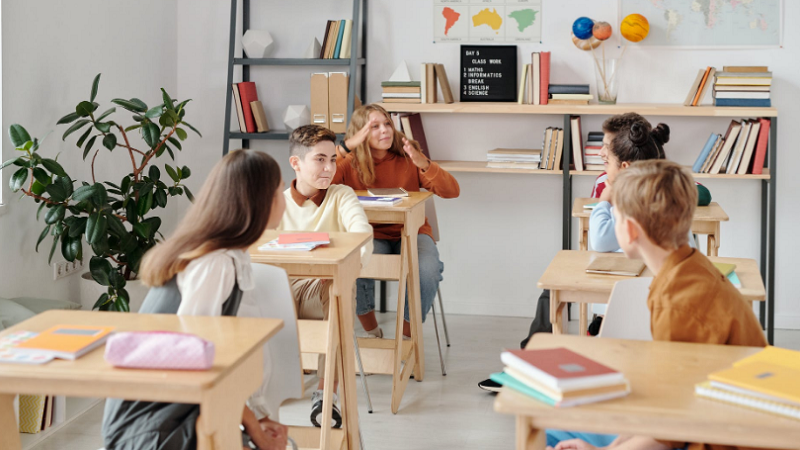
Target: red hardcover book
(247,91)
(561,368)
(544,77)
(761,147)
(304,238)
(419,134)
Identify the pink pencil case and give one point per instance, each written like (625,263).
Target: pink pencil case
(159,350)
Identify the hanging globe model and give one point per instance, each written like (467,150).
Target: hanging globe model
(601,31)
(634,27)
(582,27)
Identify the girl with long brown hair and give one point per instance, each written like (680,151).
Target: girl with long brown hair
(376,155)
(203,270)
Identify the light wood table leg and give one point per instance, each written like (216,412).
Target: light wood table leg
(583,321)
(583,233)
(712,245)
(529,438)
(401,373)
(344,280)
(556,312)
(331,360)
(9,431)
(415,306)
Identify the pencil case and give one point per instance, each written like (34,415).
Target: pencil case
(164,350)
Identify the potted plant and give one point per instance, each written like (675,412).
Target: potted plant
(116,218)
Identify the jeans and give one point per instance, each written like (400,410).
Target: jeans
(598,440)
(430,274)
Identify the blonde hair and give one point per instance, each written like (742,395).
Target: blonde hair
(362,161)
(659,195)
(231,211)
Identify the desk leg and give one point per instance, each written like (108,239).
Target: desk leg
(333,357)
(9,432)
(401,372)
(583,321)
(344,280)
(529,438)
(415,305)
(583,233)
(556,312)
(712,245)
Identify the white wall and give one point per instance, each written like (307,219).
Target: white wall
(499,236)
(51,52)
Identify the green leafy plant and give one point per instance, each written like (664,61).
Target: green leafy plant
(118,221)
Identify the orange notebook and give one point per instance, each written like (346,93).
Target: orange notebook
(304,238)
(66,341)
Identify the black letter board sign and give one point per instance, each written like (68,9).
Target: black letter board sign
(488,73)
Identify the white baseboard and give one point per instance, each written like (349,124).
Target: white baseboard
(787,321)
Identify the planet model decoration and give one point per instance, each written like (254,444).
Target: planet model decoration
(586,44)
(582,27)
(601,31)
(634,27)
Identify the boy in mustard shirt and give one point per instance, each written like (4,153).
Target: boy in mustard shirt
(689,300)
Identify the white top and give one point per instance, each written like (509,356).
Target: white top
(206,283)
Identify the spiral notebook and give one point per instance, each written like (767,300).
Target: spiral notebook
(705,389)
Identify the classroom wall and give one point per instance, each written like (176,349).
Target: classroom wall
(51,52)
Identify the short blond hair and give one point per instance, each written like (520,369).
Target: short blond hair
(659,195)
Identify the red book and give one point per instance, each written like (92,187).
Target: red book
(247,92)
(761,147)
(561,368)
(544,77)
(304,238)
(419,134)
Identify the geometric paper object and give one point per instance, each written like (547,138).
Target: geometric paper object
(313,50)
(257,43)
(296,116)
(401,73)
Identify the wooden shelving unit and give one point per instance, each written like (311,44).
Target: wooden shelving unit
(768,179)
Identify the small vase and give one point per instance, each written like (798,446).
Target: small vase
(605,72)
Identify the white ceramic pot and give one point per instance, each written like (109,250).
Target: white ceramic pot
(91,291)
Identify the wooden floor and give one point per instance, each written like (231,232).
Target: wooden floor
(441,412)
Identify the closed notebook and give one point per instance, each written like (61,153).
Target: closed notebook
(508,381)
(561,368)
(725,268)
(379,201)
(304,238)
(66,341)
(773,355)
(708,390)
(770,379)
(388,192)
(559,395)
(608,265)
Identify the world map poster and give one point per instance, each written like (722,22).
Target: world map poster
(709,23)
(487,21)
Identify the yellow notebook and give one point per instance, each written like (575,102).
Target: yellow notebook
(725,268)
(773,355)
(707,390)
(773,380)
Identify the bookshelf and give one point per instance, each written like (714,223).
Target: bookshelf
(354,63)
(767,180)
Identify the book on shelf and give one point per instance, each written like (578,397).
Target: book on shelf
(594,167)
(546,144)
(561,369)
(237,100)
(741,94)
(559,148)
(514,155)
(512,165)
(693,89)
(330,39)
(744,81)
(401,95)
(423,83)
(65,341)
(745,69)
(430,83)
(536,80)
(705,82)
(735,88)
(725,74)
(347,39)
(379,201)
(713,155)
(738,148)
(596,136)
(259,116)
(607,265)
(577,142)
(544,77)
(248,93)
(568,89)
(749,148)
(444,84)
(410,84)
(325,38)
(523,81)
(703,156)
(743,102)
(551,152)
(761,147)
(402,100)
(388,192)
(337,51)
(730,139)
(571,96)
(412,128)
(567,102)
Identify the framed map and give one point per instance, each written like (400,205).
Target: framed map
(487,21)
(709,23)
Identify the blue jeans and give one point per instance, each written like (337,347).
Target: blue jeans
(597,440)
(430,274)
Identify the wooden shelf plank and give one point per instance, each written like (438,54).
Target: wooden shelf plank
(278,135)
(295,62)
(721,176)
(645,109)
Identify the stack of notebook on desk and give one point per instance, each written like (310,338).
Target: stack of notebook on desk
(298,242)
(766,381)
(513,158)
(560,377)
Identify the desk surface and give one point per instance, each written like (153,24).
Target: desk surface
(567,272)
(234,339)
(662,403)
(341,246)
(408,203)
(711,213)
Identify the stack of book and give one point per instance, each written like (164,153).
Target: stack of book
(401,92)
(743,86)
(336,43)
(591,152)
(552,148)
(560,377)
(741,150)
(729,270)
(569,94)
(249,110)
(297,242)
(379,201)
(433,75)
(512,158)
(765,381)
(535,80)
(577,142)
(699,86)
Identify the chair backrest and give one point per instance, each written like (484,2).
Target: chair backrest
(627,316)
(283,374)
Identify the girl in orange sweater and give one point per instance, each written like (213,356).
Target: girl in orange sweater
(375,155)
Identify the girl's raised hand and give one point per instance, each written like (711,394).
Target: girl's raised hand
(413,152)
(362,135)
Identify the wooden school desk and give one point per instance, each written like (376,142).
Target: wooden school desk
(706,221)
(661,404)
(341,262)
(568,282)
(221,392)
(384,356)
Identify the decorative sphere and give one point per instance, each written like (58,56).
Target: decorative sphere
(586,44)
(582,27)
(601,31)
(634,27)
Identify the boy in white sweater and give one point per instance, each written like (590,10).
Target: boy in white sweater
(313,204)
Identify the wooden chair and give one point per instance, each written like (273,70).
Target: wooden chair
(627,316)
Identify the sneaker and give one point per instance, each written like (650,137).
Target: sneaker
(376,333)
(489,385)
(316,410)
(594,327)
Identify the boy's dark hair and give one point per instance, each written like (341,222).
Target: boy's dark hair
(635,139)
(304,138)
